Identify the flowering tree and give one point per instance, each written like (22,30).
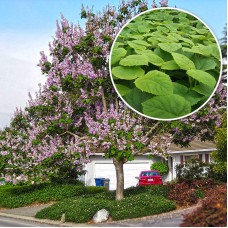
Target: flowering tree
(77,111)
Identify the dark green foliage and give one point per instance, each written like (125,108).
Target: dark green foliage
(161,167)
(199,193)
(18,196)
(159,190)
(212,213)
(192,169)
(220,156)
(82,209)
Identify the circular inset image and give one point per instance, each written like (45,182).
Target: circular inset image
(165,64)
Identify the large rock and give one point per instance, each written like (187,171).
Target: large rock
(101,216)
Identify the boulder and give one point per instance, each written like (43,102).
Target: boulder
(101,216)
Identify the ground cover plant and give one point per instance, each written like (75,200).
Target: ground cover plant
(187,192)
(18,196)
(212,213)
(165,63)
(139,201)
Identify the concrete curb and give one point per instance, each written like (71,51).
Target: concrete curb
(44,221)
(154,218)
(69,224)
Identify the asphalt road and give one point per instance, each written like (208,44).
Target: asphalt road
(12,222)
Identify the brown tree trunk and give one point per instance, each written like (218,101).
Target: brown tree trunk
(119,178)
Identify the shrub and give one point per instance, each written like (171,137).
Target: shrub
(187,192)
(161,167)
(213,211)
(82,209)
(199,193)
(18,196)
(192,169)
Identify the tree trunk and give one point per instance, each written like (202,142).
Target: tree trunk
(119,178)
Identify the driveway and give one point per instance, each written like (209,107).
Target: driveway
(170,219)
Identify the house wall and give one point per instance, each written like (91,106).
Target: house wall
(100,167)
(177,159)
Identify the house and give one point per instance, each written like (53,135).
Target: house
(99,167)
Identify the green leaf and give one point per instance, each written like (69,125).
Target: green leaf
(136,45)
(191,96)
(127,73)
(200,31)
(123,89)
(162,29)
(134,60)
(143,29)
(215,51)
(204,63)
(117,54)
(153,58)
(170,65)
(203,89)
(183,62)
(187,40)
(170,47)
(166,107)
(155,82)
(202,77)
(135,98)
(200,49)
(153,41)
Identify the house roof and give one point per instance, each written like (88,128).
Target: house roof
(195,146)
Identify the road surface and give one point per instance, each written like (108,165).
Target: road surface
(12,222)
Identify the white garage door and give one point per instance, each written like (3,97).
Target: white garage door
(131,170)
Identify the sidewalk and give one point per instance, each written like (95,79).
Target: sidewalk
(169,219)
(28,213)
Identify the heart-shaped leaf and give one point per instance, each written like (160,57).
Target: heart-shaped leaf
(166,107)
(191,96)
(170,47)
(123,89)
(134,60)
(127,73)
(202,77)
(204,63)
(170,65)
(155,82)
(183,62)
(117,54)
(135,98)
(203,89)
(153,58)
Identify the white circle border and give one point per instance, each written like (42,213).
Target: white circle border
(221,64)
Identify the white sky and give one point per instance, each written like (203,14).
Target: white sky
(19,73)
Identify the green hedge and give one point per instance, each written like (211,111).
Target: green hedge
(81,210)
(18,196)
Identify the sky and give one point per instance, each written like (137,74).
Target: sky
(27,26)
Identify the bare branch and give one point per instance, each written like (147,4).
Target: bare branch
(77,138)
(117,106)
(103,100)
(152,128)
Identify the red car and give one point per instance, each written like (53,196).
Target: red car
(150,177)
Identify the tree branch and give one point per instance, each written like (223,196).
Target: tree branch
(103,100)
(77,138)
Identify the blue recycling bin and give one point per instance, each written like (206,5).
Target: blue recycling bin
(99,181)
